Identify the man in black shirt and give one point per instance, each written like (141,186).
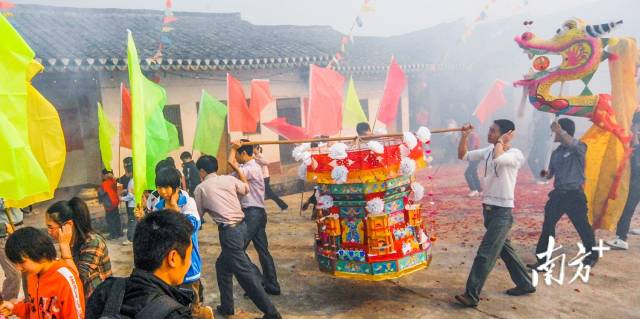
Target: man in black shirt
(190,172)
(567,197)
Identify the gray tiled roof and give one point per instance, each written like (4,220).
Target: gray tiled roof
(95,39)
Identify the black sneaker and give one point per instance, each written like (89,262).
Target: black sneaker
(535,266)
(273,292)
(223,312)
(269,292)
(466,301)
(590,262)
(277,315)
(517,291)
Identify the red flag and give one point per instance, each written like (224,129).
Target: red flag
(394,85)
(125,118)
(240,119)
(6,5)
(169,19)
(325,102)
(286,130)
(491,102)
(260,98)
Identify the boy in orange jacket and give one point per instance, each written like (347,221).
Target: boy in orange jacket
(54,290)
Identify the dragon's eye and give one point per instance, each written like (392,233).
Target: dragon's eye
(563,30)
(570,25)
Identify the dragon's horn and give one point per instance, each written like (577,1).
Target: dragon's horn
(598,30)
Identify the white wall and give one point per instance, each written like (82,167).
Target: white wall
(186,92)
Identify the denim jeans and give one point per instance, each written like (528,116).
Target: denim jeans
(498,222)
(630,207)
(131,223)
(12,277)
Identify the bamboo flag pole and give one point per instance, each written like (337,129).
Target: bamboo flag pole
(345,138)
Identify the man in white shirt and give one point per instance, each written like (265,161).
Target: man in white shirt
(499,166)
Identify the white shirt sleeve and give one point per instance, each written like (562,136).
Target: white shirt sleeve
(512,158)
(476,155)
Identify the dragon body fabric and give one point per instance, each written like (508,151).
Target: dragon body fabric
(582,48)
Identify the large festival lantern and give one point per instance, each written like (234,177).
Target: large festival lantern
(370,226)
(582,48)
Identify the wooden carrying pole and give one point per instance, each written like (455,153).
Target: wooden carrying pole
(344,138)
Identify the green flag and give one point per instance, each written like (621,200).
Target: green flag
(152,136)
(21,175)
(210,126)
(353,113)
(106,131)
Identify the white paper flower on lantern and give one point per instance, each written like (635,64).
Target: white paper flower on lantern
(404,150)
(300,152)
(410,140)
(380,131)
(375,206)
(338,151)
(302,172)
(306,158)
(424,134)
(376,147)
(339,174)
(325,202)
(418,191)
(407,166)
(423,237)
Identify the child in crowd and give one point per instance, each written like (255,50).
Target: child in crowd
(54,289)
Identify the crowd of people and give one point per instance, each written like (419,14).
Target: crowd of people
(163,229)
(166,281)
(500,163)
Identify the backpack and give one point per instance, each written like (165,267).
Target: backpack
(159,307)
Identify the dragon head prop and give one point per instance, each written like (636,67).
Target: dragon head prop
(581,48)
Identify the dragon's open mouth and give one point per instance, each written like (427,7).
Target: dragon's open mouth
(532,53)
(535,53)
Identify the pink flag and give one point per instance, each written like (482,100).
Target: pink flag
(305,110)
(260,98)
(240,119)
(491,102)
(396,81)
(325,102)
(286,130)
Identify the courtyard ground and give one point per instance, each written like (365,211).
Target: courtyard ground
(612,290)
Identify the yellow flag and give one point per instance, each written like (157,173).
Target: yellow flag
(106,131)
(46,139)
(31,139)
(353,113)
